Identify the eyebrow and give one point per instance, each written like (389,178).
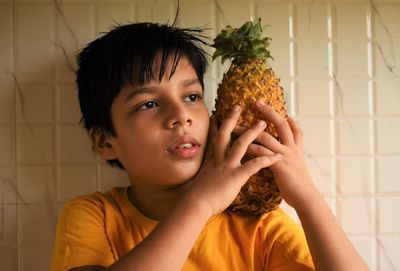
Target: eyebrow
(151,89)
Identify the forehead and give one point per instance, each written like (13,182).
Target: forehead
(163,70)
(182,75)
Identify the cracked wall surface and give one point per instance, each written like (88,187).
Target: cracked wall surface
(339,62)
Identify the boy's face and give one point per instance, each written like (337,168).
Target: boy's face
(161,128)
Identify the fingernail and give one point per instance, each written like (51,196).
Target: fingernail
(260,103)
(236,108)
(261,123)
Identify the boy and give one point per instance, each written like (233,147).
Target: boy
(141,96)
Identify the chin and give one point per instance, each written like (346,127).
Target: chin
(182,176)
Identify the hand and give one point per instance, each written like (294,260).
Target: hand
(291,173)
(222,175)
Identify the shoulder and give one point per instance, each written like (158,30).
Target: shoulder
(94,205)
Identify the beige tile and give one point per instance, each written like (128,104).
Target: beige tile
(112,177)
(351,21)
(204,17)
(35,63)
(157,12)
(354,176)
(6,64)
(6,24)
(312,59)
(36,2)
(35,103)
(388,251)
(75,180)
(161,1)
(110,14)
(275,16)
(387,182)
(311,21)
(365,246)
(280,51)
(37,222)
(386,59)
(32,260)
(8,229)
(8,186)
(35,144)
(210,87)
(317,135)
(37,184)
(33,24)
(388,135)
(313,97)
(66,64)
(386,21)
(68,104)
(234,14)
(353,136)
(321,170)
(388,96)
(387,208)
(74,145)
(8,257)
(6,144)
(356,215)
(351,59)
(352,97)
(6,103)
(75,25)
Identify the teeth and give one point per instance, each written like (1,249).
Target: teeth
(185,146)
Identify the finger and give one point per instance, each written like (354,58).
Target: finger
(252,166)
(223,137)
(264,139)
(258,150)
(213,130)
(241,144)
(297,133)
(281,124)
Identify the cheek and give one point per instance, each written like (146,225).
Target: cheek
(204,122)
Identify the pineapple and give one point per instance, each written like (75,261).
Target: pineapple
(248,80)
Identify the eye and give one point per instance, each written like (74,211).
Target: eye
(147,105)
(194,97)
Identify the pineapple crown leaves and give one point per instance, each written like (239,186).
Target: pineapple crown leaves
(239,44)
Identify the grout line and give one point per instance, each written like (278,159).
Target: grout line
(292,60)
(372,132)
(95,31)
(17,220)
(333,106)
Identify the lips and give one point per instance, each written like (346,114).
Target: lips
(185,147)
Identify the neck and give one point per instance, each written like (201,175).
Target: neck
(155,203)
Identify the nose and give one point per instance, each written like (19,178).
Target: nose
(178,115)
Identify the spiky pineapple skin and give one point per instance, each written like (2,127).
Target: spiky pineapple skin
(244,84)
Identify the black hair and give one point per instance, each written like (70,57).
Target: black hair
(125,56)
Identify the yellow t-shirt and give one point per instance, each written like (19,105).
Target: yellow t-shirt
(100,228)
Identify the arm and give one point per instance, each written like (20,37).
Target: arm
(211,191)
(329,246)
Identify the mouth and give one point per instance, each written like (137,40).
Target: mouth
(185,147)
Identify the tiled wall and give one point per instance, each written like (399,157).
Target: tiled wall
(339,62)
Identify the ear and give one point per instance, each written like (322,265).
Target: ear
(102,144)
